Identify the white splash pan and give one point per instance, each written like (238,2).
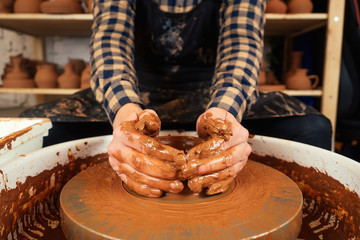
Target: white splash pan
(20,136)
(343,169)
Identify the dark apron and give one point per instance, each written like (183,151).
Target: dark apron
(175,56)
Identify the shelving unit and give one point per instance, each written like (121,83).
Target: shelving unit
(41,26)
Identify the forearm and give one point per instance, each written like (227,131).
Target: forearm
(240,52)
(113,78)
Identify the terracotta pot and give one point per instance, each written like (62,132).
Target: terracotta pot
(299,80)
(69,79)
(271,78)
(262,74)
(16,70)
(85,77)
(46,75)
(62,6)
(78,65)
(27,6)
(89,4)
(276,6)
(6,6)
(300,6)
(18,83)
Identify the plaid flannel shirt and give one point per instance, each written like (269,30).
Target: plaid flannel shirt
(239,53)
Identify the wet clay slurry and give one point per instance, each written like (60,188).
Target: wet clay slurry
(262,203)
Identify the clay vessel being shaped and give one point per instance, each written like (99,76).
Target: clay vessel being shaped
(299,80)
(46,75)
(276,6)
(69,79)
(27,6)
(16,71)
(85,77)
(300,6)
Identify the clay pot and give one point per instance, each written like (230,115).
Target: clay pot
(300,6)
(299,80)
(18,83)
(78,65)
(27,6)
(69,79)
(6,6)
(276,6)
(16,69)
(46,75)
(85,77)
(62,6)
(89,4)
(262,74)
(271,78)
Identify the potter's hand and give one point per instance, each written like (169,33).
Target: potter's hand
(216,162)
(144,165)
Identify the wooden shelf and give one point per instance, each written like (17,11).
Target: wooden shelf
(40,91)
(80,24)
(293,24)
(302,93)
(75,25)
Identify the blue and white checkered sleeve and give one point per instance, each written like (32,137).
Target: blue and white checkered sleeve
(113,79)
(239,56)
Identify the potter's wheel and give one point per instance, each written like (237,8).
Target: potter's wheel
(262,203)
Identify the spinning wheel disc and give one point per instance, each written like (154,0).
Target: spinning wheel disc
(262,203)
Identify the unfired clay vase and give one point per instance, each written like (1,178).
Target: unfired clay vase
(85,77)
(300,6)
(276,6)
(46,75)
(69,79)
(299,80)
(62,6)
(27,6)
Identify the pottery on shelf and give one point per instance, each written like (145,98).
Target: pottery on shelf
(262,76)
(16,69)
(295,63)
(299,80)
(62,6)
(78,65)
(27,6)
(18,83)
(69,79)
(89,5)
(46,75)
(300,6)
(85,77)
(276,6)
(6,6)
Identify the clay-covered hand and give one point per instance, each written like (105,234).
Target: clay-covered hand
(216,162)
(144,165)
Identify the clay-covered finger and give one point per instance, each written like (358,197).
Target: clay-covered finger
(219,187)
(174,186)
(140,188)
(146,145)
(225,159)
(145,164)
(148,123)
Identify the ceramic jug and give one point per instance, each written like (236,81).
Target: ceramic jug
(27,6)
(299,80)
(46,75)
(276,6)
(300,6)
(69,79)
